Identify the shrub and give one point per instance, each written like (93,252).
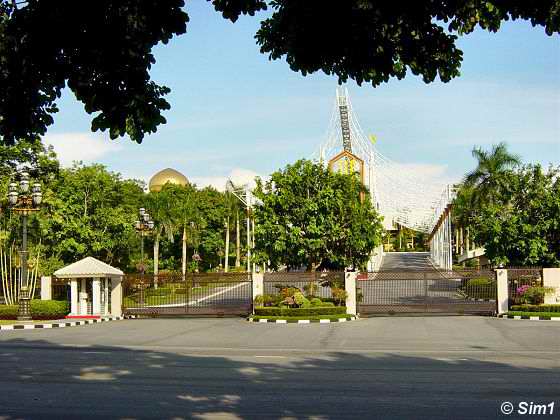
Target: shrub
(8,311)
(316,302)
(48,309)
(40,309)
(533,294)
(480,288)
(536,308)
(335,310)
(311,288)
(339,295)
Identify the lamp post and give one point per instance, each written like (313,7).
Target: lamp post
(23,200)
(144,226)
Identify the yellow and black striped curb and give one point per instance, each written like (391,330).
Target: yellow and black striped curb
(530,318)
(301,321)
(60,324)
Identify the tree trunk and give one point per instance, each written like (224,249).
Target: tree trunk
(156,259)
(238,243)
(226,259)
(184,255)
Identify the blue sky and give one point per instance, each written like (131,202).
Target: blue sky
(235,113)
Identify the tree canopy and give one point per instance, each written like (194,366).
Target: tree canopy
(102,50)
(522,227)
(311,217)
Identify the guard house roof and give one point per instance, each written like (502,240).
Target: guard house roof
(88,267)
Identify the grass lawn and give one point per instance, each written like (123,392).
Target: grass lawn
(297,318)
(541,314)
(166,296)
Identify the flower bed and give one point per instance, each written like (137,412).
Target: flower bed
(300,312)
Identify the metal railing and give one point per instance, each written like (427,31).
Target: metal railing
(193,294)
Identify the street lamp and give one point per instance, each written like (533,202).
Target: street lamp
(144,226)
(23,201)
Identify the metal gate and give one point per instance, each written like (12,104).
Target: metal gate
(429,291)
(195,294)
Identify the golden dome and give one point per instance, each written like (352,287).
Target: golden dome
(163,177)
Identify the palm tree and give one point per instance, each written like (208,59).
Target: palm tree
(487,179)
(160,206)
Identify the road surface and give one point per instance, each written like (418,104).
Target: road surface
(391,368)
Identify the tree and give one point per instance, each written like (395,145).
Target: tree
(88,211)
(161,207)
(487,180)
(102,50)
(314,218)
(524,227)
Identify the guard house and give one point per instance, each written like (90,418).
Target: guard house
(95,288)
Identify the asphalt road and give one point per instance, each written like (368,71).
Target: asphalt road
(412,368)
(406,261)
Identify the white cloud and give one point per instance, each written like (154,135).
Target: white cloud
(87,147)
(238,176)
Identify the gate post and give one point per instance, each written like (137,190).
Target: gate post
(258,286)
(551,278)
(503,293)
(46,288)
(350,286)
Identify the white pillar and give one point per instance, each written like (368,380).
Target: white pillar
(46,288)
(551,278)
(503,295)
(106,294)
(350,286)
(74,310)
(83,298)
(258,284)
(116,296)
(96,296)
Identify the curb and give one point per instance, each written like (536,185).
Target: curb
(301,321)
(61,324)
(530,318)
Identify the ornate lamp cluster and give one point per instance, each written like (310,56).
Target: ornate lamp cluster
(145,224)
(24,199)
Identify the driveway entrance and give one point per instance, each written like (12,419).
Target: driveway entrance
(407,283)
(195,294)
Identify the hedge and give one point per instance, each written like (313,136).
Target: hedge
(535,308)
(40,309)
(271,311)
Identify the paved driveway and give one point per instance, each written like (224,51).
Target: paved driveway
(439,367)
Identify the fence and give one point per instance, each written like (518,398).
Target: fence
(194,294)
(428,291)
(312,284)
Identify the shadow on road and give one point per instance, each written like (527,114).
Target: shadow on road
(44,380)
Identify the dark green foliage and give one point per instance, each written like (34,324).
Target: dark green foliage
(102,49)
(373,41)
(300,311)
(536,308)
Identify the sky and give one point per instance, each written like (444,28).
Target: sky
(236,114)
